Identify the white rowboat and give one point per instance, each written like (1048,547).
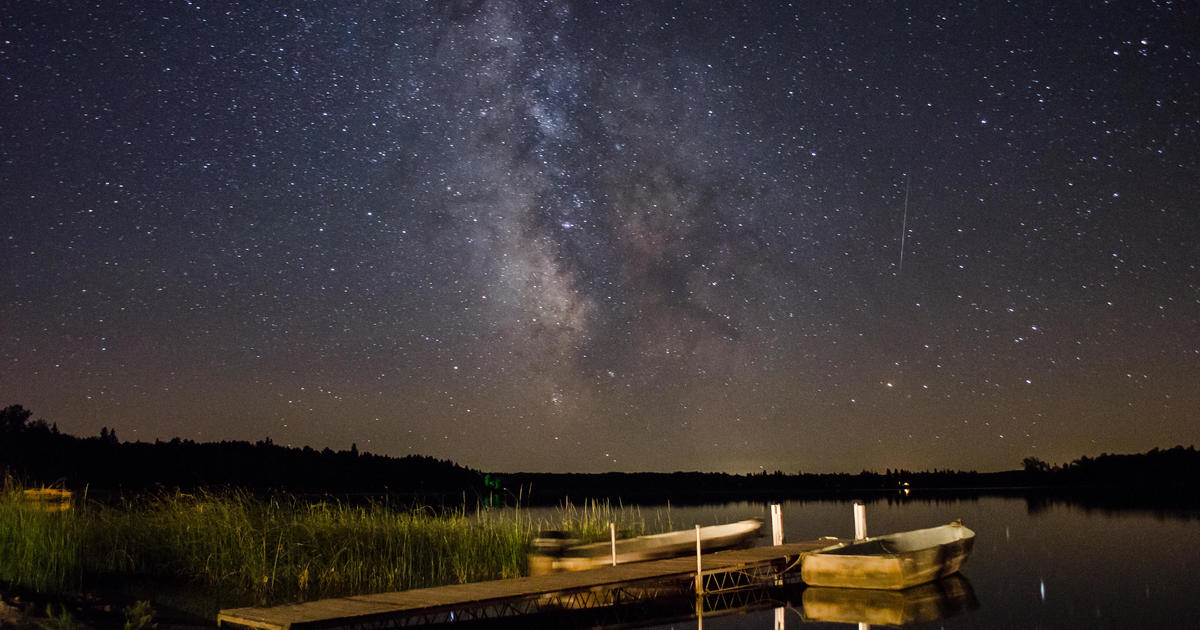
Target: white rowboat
(894,561)
(652,547)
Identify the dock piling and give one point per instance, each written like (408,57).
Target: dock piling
(777,531)
(860,521)
(612,534)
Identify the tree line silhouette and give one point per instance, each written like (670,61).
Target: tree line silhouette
(36,452)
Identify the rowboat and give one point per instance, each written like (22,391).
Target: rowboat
(894,561)
(556,554)
(48,499)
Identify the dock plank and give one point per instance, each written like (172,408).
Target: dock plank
(360,608)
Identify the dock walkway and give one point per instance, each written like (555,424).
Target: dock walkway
(600,587)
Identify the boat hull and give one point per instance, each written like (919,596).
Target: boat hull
(892,562)
(653,547)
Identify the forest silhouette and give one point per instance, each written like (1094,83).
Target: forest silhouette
(35,452)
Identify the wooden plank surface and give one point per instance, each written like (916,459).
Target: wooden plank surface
(327,611)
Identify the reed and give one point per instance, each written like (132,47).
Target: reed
(278,549)
(589,522)
(283,549)
(39,548)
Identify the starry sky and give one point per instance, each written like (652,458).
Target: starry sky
(590,236)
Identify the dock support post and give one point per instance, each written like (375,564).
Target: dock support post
(776,524)
(699,586)
(860,521)
(777,534)
(612,534)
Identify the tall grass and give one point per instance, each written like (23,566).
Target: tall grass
(278,549)
(283,549)
(590,522)
(39,549)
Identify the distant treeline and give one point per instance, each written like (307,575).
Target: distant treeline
(694,487)
(36,452)
(1152,473)
(1172,467)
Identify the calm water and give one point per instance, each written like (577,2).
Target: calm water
(1055,566)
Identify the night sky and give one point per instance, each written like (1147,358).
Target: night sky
(591,236)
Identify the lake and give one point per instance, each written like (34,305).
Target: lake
(1034,564)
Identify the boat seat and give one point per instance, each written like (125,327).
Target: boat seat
(870,548)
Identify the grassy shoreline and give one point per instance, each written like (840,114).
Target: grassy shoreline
(268,550)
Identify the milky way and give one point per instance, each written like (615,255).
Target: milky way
(582,236)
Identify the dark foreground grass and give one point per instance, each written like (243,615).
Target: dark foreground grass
(272,550)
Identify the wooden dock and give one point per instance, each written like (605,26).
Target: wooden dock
(721,572)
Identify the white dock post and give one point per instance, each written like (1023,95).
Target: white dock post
(860,521)
(699,578)
(777,540)
(612,534)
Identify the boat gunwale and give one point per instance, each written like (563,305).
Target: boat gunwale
(846,544)
(744,528)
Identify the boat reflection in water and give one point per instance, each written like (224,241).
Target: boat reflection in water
(924,604)
(920,604)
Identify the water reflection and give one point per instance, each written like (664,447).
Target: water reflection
(758,608)
(928,603)
(920,604)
